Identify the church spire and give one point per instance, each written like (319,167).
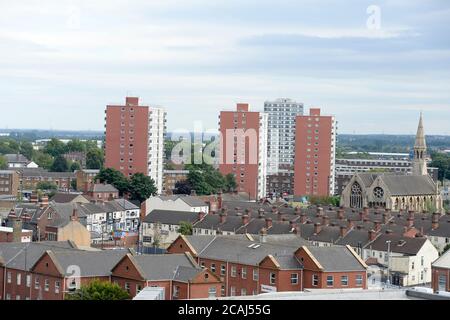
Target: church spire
(420,150)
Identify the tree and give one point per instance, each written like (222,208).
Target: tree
(75,145)
(447,247)
(75,166)
(73,184)
(114,177)
(94,159)
(230,182)
(26,148)
(141,187)
(43,160)
(3,163)
(99,290)
(182,187)
(185,228)
(46,186)
(55,147)
(60,164)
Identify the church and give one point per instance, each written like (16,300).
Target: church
(417,192)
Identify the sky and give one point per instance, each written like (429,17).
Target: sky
(375,65)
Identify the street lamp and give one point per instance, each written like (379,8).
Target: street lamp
(388,262)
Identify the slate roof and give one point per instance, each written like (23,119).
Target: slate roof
(64,212)
(102,187)
(171,217)
(192,201)
(411,246)
(212,222)
(41,173)
(355,238)
(336,258)
(23,256)
(443,229)
(127,205)
(64,197)
(186,274)
(407,185)
(443,261)
(163,266)
(16,158)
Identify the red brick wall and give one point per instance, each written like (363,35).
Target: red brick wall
(436,272)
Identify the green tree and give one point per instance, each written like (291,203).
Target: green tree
(447,247)
(230,182)
(3,163)
(94,159)
(55,147)
(114,177)
(60,164)
(26,148)
(185,228)
(75,166)
(99,290)
(75,145)
(46,186)
(141,187)
(197,181)
(73,184)
(43,160)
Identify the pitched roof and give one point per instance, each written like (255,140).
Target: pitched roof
(405,185)
(336,258)
(162,266)
(171,217)
(41,173)
(212,222)
(443,261)
(399,244)
(102,187)
(65,197)
(125,204)
(16,158)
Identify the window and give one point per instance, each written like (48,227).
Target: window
(294,278)
(344,280)
(57,286)
(244,273)
(138,288)
(412,265)
(8,275)
(359,280)
(19,279)
(421,275)
(202,264)
(28,280)
(422,261)
(273,278)
(46,285)
(255,275)
(36,283)
(243,292)
(223,270)
(17,297)
(176,291)
(315,280)
(330,281)
(233,271)
(8,296)
(213,267)
(212,292)
(127,287)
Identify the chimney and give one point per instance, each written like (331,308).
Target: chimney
(349,224)
(248,212)
(411,214)
(44,202)
(297,230)
(261,213)
(372,235)
(409,222)
(317,228)
(268,223)
(245,219)
(343,231)
(74,216)
(222,217)
(297,211)
(193,192)
(302,217)
(361,215)
(201,215)
(325,220)
(340,213)
(279,216)
(17,230)
(319,212)
(435,221)
(292,224)
(274,209)
(263,235)
(377,225)
(385,217)
(220,200)
(366,211)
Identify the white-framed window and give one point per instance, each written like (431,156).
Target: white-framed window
(223,270)
(359,280)
(294,278)
(255,275)
(28,280)
(127,287)
(36,283)
(330,281)
(222,291)
(212,292)
(315,280)
(8,296)
(232,291)
(46,285)
(273,278)
(243,292)
(344,280)
(233,271)
(244,273)
(17,297)
(8,277)
(213,267)
(57,286)
(19,278)
(138,288)
(176,291)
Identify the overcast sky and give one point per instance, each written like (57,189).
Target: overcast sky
(62,62)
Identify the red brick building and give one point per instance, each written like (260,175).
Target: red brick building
(243,149)
(315,139)
(102,192)
(248,267)
(440,273)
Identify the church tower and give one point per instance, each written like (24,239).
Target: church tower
(419,166)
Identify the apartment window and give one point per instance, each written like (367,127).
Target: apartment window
(138,288)
(213,267)
(8,277)
(422,261)
(176,291)
(294,278)
(232,291)
(212,292)
(330,281)
(19,279)
(17,297)
(359,280)
(233,271)
(243,292)
(255,275)
(344,280)
(273,278)
(46,285)
(244,273)
(412,265)
(222,291)
(36,283)
(57,286)
(202,264)
(223,270)
(127,287)
(28,280)
(8,296)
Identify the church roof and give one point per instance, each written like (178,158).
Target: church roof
(404,185)
(420,136)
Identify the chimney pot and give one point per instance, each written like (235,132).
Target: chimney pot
(317,228)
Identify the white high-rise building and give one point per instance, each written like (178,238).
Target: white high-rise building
(281,131)
(156,134)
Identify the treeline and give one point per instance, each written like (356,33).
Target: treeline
(51,157)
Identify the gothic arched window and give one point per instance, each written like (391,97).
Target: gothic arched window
(356,196)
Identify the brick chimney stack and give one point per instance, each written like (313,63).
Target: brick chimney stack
(409,222)
(385,217)
(268,223)
(261,213)
(372,235)
(340,213)
(302,217)
(325,220)
(317,228)
(366,211)
(222,217)
(201,215)
(319,212)
(343,231)
(435,221)
(245,219)
(349,224)
(377,225)
(17,230)
(74,216)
